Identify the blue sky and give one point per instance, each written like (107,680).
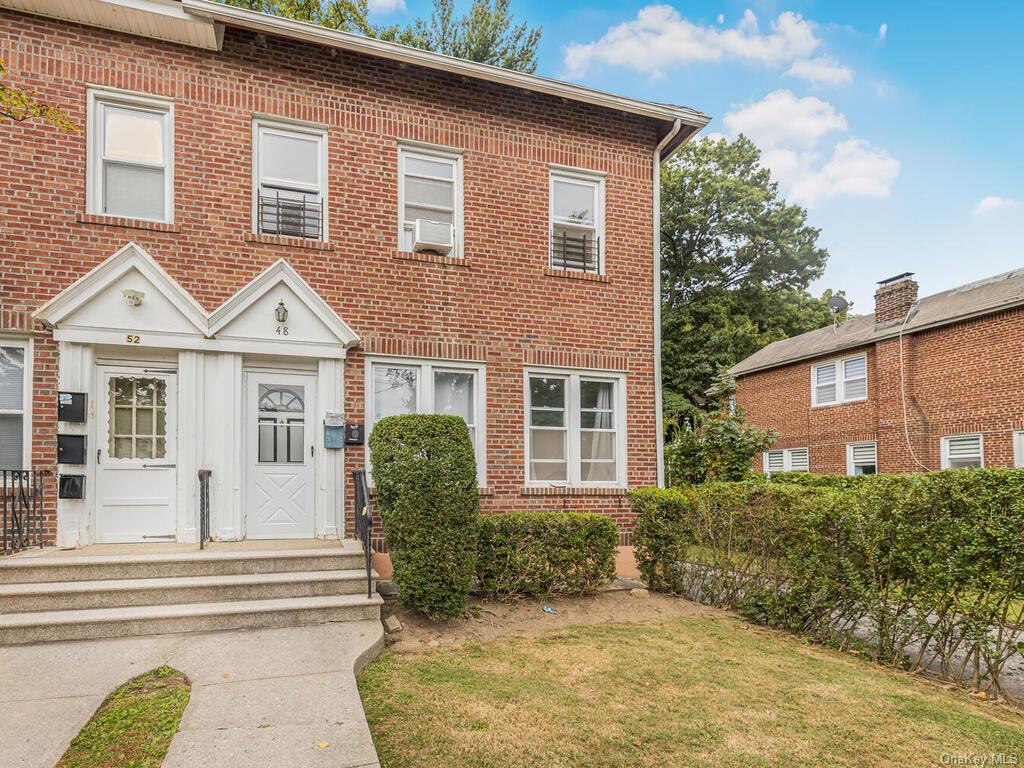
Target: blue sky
(904,141)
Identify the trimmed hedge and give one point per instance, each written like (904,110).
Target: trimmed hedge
(926,571)
(424,472)
(526,554)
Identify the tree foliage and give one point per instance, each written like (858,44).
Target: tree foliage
(20,106)
(736,264)
(487,33)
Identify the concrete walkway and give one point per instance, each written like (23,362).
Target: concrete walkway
(260,698)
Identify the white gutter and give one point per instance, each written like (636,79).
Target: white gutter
(311,33)
(659,417)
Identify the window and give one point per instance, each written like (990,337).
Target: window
(429,201)
(399,385)
(787,460)
(138,415)
(131,156)
(282,424)
(840,381)
(15,399)
(1018,449)
(575,433)
(290,179)
(963,452)
(862,459)
(577,221)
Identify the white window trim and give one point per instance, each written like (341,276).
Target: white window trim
(572,420)
(425,396)
(840,382)
(850,468)
(27,397)
(787,459)
(443,153)
(282,125)
(1018,448)
(579,175)
(981,447)
(94,141)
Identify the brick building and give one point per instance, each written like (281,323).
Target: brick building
(920,384)
(264,228)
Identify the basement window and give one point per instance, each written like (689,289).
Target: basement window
(840,381)
(862,459)
(963,452)
(787,460)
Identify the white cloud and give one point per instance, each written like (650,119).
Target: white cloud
(995,203)
(823,70)
(791,133)
(721,18)
(386,6)
(660,37)
(883,30)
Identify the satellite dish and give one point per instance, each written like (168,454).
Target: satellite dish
(838,304)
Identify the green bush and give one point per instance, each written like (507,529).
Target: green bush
(927,570)
(424,472)
(811,480)
(525,554)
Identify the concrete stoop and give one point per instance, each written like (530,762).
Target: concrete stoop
(87,597)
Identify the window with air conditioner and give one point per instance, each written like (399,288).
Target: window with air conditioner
(289,180)
(15,400)
(963,452)
(130,157)
(577,221)
(787,460)
(840,381)
(430,201)
(862,459)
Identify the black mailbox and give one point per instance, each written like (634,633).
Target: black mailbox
(71,449)
(71,406)
(355,434)
(71,487)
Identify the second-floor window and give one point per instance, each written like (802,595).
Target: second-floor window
(429,201)
(289,186)
(131,156)
(577,221)
(839,381)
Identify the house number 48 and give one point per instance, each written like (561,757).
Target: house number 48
(282,330)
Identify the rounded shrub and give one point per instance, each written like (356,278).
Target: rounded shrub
(527,554)
(424,472)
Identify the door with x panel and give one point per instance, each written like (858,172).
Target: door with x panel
(279,471)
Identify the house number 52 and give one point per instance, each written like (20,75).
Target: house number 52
(131,339)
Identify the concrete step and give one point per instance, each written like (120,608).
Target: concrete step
(44,626)
(116,593)
(55,568)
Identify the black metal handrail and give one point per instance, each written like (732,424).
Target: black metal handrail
(22,497)
(278,215)
(578,252)
(204,507)
(364,523)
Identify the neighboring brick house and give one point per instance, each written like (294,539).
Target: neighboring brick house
(844,400)
(262,221)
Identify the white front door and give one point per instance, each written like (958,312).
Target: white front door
(136,474)
(279,492)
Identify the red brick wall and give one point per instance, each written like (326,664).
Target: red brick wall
(961,378)
(501,299)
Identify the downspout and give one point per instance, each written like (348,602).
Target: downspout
(656,263)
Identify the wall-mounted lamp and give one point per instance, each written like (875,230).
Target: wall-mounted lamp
(281,313)
(134,298)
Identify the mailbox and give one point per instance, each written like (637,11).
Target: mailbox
(71,487)
(355,434)
(71,449)
(334,430)
(71,406)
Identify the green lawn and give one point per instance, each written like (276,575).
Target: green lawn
(134,726)
(688,692)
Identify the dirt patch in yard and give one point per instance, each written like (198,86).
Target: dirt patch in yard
(489,619)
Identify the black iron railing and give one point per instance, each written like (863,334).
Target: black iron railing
(278,215)
(22,493)
(580,252)
(204,507)
(364,524)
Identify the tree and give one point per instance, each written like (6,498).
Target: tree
(20,106)
(736,263)
(487,33)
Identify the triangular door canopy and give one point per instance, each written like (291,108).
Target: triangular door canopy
(250,314)
(126,293)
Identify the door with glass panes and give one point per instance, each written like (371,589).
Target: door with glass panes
(279,490)
(136,474)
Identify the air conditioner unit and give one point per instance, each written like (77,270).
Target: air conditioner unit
(436,236)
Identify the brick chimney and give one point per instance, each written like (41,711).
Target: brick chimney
(894,298)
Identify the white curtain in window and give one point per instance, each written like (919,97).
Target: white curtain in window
(12,405)
(597,431)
